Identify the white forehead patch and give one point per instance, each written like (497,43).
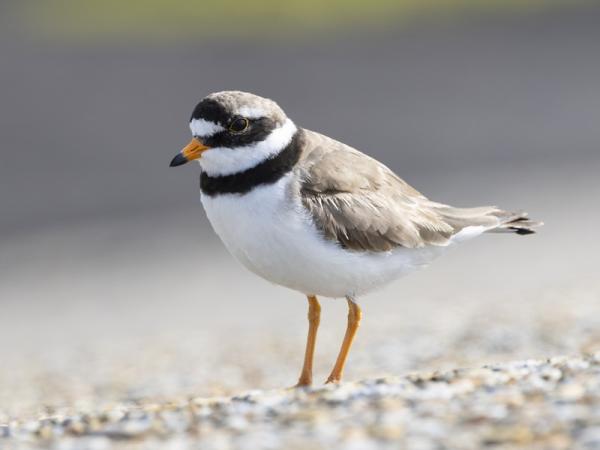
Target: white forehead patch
(204,128)
(252,113)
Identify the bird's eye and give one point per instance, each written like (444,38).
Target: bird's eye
(238,125)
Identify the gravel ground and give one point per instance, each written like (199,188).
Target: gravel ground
(104,344)
(528,404)
(176,374)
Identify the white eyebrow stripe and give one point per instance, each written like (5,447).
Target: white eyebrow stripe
(251,113)
(204,128)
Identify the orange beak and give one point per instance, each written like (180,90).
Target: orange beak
(189,153)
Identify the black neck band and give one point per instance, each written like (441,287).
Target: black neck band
(267,172)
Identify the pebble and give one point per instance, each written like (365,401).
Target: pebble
(551,404)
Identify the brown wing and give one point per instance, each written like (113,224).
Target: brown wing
(363,205)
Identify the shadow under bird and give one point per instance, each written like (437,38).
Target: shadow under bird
(315,215)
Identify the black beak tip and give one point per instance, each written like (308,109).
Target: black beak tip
(179,160)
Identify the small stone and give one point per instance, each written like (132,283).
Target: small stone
(571,392)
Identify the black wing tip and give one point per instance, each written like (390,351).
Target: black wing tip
(522,231)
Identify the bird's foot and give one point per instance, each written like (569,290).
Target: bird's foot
(302,383)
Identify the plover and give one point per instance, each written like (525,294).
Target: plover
(305,211)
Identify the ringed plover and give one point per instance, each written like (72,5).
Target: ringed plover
(310,213)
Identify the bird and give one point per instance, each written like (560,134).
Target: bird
(315,215)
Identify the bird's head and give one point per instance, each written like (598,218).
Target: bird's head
(234,131)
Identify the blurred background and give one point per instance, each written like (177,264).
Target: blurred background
(113,286)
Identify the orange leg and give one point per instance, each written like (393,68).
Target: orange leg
(354,316)
(314,317)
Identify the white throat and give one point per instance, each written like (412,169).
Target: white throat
(221,161)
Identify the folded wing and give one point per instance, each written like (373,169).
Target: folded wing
(362,205)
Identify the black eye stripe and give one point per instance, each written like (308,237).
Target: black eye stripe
(258,128)
(258,131)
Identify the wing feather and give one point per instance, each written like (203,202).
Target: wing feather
(361,204)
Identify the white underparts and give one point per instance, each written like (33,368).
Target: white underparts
(270,232)
(221,161)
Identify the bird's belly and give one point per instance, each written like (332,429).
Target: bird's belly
(274,237)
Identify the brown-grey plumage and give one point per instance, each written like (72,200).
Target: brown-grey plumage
(363,205)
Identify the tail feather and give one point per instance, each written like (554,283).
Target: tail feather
(490,218)
(518,223)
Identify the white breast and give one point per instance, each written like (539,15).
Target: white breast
(276,239)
